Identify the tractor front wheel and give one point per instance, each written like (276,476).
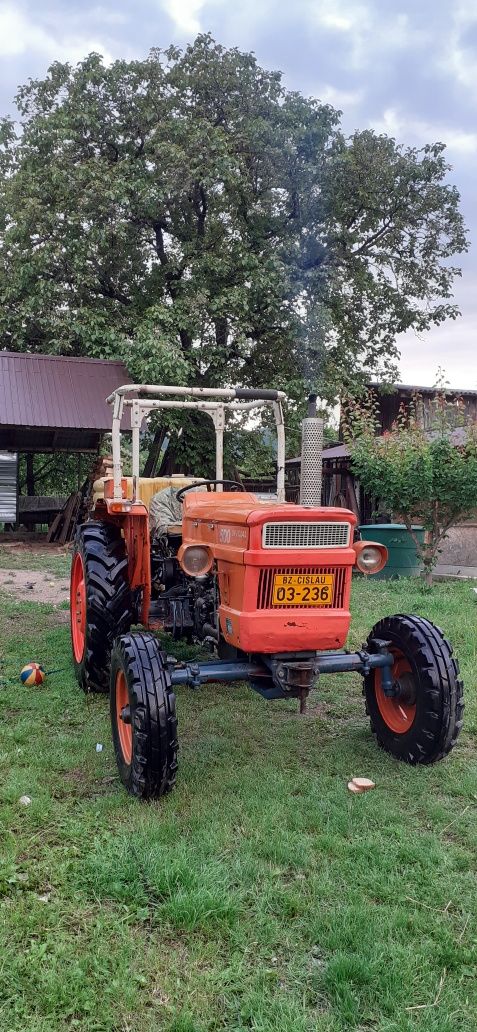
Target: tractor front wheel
(100,601)
(420,722)
(143,716)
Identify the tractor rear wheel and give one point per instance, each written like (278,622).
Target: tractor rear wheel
(100,601)
(143,716)
(421,721)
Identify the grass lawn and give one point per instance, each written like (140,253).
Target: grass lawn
(56,561)
(260,894)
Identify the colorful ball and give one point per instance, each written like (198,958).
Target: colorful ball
(32,673)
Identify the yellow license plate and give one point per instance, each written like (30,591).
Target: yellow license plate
(302,589)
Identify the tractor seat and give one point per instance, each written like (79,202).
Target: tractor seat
(174,530)
(165,512)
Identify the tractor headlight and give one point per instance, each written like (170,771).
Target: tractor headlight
(370,556)
(195,560)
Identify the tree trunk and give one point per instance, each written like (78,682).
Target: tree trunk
(30,475)
(167,467)
(154,453)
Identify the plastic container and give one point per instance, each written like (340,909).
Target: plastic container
(403,560)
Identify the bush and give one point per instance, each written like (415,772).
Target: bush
(426,476)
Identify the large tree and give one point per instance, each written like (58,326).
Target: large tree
(190,214)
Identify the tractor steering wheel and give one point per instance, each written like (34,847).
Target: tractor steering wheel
(232,485)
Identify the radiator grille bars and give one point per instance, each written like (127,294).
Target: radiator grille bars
(306,535)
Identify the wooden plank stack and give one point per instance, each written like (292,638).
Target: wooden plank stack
(77,507)
(64,524)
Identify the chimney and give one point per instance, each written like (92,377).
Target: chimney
(311,456)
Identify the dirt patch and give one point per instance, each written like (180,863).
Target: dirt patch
(11,714)
(78,784)
(314,710)
(320,710)
(34,586)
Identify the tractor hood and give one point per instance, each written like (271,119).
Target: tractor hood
(245,509)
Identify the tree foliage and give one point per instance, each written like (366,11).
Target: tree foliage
(426,476)
(52,474)
(189,214)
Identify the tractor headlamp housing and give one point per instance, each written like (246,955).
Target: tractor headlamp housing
(371,557)
(195,560)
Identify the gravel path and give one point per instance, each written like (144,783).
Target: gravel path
(35,586)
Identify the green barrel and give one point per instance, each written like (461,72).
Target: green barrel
(402,561)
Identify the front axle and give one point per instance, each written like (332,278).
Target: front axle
(287,675)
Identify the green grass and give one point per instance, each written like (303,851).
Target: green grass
(260,895)
(50,561)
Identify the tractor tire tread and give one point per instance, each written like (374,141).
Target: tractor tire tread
(153,769)
(109,609)
(439,720)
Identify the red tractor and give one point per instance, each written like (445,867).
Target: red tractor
(264,583)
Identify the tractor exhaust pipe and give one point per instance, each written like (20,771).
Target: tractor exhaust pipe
(311,456)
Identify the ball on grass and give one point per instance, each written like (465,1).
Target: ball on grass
(32,673)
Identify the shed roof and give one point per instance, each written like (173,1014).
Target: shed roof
(53,401)
(333,451)
(406,388)
(458,438)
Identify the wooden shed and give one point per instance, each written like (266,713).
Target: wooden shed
(339,484)
(48,404)
(401,395)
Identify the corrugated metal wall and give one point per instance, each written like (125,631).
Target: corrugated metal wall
(8,487)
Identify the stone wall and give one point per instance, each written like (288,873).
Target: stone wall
(460,547)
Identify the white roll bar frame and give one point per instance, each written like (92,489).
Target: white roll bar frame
(233,399)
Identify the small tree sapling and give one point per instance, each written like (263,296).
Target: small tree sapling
(420,475)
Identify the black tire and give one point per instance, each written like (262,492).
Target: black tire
(147,762)
(107,601)
(430,692)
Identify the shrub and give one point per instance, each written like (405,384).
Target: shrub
(426,476)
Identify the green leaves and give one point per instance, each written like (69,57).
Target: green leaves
(420,476)
(189,214)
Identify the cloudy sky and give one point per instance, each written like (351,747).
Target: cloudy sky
(406,67)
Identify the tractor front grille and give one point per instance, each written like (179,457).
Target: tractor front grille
(306,535)
(265,585)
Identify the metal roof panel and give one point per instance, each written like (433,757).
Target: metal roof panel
(56,391)
(406,388)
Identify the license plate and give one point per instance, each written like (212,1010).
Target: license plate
(303,589)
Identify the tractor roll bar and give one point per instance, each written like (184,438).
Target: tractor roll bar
(241,393)
(235,399)
(247,393)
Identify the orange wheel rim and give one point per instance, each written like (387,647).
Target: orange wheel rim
(124,729)
(398,712)
(78,607)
